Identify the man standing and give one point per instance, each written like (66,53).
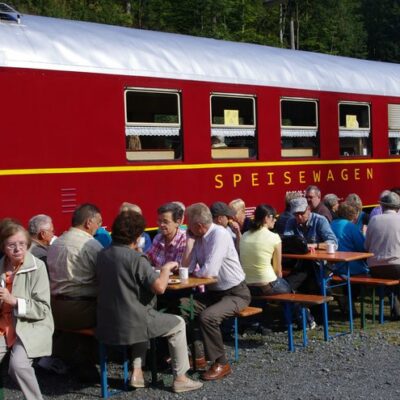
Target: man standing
(41,229)
(71,260)
(313,196)
(383,239)
(215,253)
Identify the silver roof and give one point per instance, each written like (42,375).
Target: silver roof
(56,44)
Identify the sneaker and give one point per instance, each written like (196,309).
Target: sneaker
(187,386)
(312,325)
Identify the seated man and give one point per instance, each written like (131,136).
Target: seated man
(317,206)
(383,239)
(315,229)
(223,215)
(71,260)
(215,254)
(240,207)
(41,229)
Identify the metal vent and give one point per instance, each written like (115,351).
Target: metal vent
(7,13)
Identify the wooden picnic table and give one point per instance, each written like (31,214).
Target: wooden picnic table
(323,258)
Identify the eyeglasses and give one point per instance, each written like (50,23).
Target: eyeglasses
(16,245)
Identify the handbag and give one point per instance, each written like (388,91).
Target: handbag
(294,244)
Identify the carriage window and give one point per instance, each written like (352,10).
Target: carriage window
(152,125)
(394,128)
(354,129)
(233,126)
(299,128)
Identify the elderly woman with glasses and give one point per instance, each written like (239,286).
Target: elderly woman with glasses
(26,322)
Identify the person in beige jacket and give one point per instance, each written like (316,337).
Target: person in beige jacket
(26,322)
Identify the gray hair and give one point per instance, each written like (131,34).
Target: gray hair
(330,200)
(237,205)
(38,223)
(313,188)
(125,206)
(199,213)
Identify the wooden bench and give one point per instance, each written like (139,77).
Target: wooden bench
(105,391)
(246,312)
(367,281)
(289,299)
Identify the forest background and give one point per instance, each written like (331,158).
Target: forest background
(356,28)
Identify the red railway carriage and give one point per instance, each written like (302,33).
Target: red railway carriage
(105,114)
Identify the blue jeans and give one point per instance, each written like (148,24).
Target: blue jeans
(276,287)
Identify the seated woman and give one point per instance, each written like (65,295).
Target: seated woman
(261,255)
(170,243)
(125,306)
(349,238)
(26,322)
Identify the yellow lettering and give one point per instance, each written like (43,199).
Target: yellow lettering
(357,174)
(236,179)
(219,184)
(344,175)
(270,179)
(287,177)
(254,179)
(302,176)
(317,176)
(370,173)
(330,176)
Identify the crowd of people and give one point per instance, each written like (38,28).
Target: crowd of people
(90,278)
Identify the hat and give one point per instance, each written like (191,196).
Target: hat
(220,208)
(391,200)
(298,205)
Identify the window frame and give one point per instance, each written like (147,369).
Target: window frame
(155,91)
(304,100)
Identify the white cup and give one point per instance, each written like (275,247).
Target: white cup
(330,248)
(184,274)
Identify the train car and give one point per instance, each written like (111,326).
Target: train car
(106,114)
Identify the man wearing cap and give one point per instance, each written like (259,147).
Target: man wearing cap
(383,239)
(313,196)
(223,215)
(315,229)
(215,254)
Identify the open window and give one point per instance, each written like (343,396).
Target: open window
(354,129)
(233,126)
(394,128)
(299,127)
(152,124)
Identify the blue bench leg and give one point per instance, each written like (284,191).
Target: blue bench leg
(381,293)
(126,367)
(289,320)
(236,339)
(103,371)
(304,321)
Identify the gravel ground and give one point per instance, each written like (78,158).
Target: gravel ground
(359,366)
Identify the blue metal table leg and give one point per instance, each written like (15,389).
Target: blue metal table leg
(350,298)
(324,282)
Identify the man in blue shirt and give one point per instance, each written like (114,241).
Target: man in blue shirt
(316,230)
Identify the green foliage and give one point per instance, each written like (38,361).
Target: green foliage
(357,28)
